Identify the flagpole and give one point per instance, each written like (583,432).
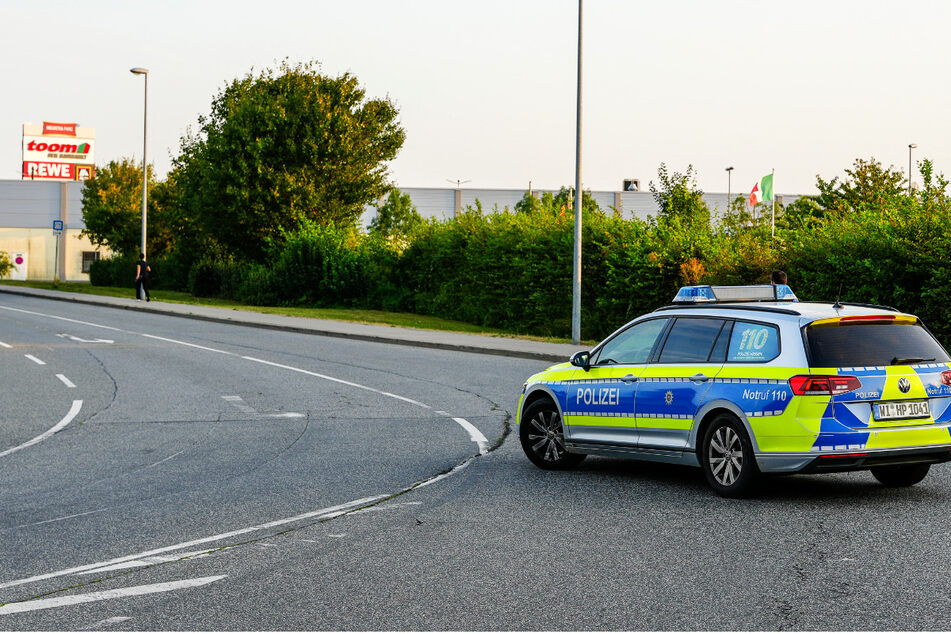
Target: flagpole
(772,221)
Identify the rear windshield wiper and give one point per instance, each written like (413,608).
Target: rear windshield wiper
(908,360)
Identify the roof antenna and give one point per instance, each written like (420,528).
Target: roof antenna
(838,305)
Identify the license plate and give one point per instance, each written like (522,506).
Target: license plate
(902,409)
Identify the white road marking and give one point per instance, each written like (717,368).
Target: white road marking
(107,622)
(63,334)
(442,476)
(65,381)
(190,345)
(475,435)
(238,402)
(5,345)
(148,561)
(164,460)
(56,602)
(34,359)
(320,514)
(58,519)
(384,507)
(74,321)
(77,405)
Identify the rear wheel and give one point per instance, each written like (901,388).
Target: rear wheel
(726,455)
(543,437)
(904,475)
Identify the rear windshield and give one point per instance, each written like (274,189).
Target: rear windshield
(871,344)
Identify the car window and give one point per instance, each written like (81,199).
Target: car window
(872,344)
(634,345)
(690,341)
(753,343)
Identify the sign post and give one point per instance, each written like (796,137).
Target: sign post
(57,231)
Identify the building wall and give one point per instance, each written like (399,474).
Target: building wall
(27,212)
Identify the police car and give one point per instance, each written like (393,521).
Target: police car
(745,380)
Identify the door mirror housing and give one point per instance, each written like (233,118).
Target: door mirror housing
(581,359)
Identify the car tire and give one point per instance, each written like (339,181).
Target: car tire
(543,438)
(905,475)
(726,456)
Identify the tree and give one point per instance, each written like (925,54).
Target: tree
(560,204)
(397,216)
(5,263)
(112,209)
(679,197)
(867,183)
(282,148)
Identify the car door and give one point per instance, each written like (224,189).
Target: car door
(671,389)
(599,405)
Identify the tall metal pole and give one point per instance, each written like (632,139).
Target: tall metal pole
(145,155)
(576,286)
(729,173)
(910,147)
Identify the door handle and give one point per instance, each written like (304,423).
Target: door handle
(700,377)
(630,378)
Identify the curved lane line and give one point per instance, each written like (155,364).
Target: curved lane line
(475,435)
(77,405)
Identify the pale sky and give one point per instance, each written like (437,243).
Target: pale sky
(486,89)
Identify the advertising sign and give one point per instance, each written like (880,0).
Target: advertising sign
(58,152)
(19,266)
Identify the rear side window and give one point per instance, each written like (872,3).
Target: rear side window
(753,343)
(871,344)
(690,341)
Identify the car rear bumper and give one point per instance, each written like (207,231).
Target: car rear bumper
(833,461)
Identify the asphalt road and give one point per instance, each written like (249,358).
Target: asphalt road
(219,477)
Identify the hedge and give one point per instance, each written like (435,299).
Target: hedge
(514,271)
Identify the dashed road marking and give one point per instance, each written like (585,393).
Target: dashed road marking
(107,622)
(65,381)
(5,345)
(34,359)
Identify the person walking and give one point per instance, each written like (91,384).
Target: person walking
(142,271)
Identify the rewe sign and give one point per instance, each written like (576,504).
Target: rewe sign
(58,151)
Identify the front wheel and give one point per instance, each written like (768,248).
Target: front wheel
(905,475)
(726,455)
(543,438)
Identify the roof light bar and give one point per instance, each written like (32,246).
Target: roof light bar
(718,294)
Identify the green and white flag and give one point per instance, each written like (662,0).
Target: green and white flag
(762,191)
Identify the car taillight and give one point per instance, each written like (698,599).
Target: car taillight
(946,377)
(811,384)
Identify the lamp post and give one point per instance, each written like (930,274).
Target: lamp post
(911,146)
(145,151)
(579,196)
(729,173)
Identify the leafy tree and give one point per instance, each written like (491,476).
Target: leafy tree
(679,197)
(561,204)
(112,209)
(397,216)
(5,263)
(866,184)
(284,147)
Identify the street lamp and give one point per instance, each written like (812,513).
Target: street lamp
(145,151)
(911,146)
(579,196)
(729,173)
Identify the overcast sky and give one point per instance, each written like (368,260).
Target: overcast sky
(486,89)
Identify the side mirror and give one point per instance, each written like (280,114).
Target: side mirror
(581,359)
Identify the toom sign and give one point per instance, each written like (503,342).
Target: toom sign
(58,151)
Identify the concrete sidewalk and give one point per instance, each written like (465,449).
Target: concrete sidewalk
(463,342)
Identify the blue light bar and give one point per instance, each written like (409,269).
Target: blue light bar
(718,294)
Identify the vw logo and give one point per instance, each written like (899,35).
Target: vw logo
(904,385)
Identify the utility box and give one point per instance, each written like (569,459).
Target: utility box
(631,185)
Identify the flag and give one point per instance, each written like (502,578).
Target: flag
(762,191)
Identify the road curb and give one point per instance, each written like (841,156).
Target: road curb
(307,330)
